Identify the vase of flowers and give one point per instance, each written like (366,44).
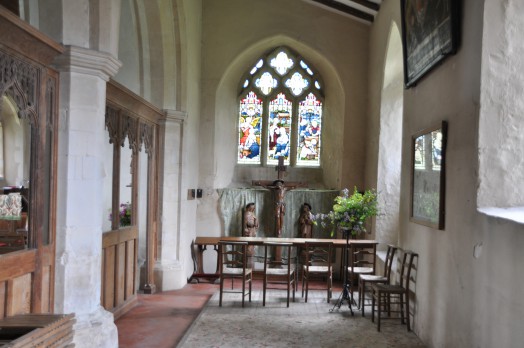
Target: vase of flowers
(125,214)
(350,212)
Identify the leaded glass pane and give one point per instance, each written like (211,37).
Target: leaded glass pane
(436,148)
(305,67)
(249,127)
(282,63)
(266,83)
(310,118)
(420,153)
(279,130)
(297,83)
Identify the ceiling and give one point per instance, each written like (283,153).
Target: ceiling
(363,10)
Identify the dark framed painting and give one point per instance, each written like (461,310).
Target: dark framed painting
(429,34)
(428,164)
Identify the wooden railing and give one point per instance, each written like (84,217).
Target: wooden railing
(119,270)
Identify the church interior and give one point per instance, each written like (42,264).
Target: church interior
(130,128)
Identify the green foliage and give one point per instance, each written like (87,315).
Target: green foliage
(351,211)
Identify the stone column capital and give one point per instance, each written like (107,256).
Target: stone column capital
(175,116)
(86,61)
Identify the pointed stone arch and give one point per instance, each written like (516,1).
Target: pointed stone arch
(390,141)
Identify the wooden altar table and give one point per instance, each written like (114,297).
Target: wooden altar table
(201,243)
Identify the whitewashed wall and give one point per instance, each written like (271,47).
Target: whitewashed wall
(467,294)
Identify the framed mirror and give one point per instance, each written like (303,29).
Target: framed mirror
(428,163)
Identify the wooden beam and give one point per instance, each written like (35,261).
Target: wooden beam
(368,4)
(346,9)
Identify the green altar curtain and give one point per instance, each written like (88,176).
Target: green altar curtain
(232,202)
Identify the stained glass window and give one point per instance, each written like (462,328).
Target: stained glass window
(279,130)
(309,131)
(249,125)
(266,83)
(282,63)
(276,87)
(297,83)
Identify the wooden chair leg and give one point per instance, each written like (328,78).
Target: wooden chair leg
(250,288)
(243,291)
(307,286)
(380,295)
(303,275)
(221,292)
(372,306)
(402,309)
(264,291)
(407,312)
(288,288)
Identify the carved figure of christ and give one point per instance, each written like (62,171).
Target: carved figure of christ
(280,187)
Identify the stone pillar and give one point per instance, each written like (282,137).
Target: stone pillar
(169,272)
(83,77)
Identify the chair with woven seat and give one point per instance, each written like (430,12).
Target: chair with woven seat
(233,265)
(317,264)
(365,280)
(276,273)
(394,297)
(362,259)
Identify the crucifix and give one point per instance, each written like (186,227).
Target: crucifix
(280,187)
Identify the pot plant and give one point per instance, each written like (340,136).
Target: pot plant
(350,212)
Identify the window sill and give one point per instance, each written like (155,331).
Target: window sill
(515,214)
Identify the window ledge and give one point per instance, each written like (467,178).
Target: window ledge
(514,213)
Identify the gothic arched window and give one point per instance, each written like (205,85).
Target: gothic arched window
(280,113)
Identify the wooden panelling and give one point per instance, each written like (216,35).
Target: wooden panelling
(46,278)
(26,276)
(2,298)
(16,264)
(130,269)
(119,236)
(43,330)
(109,278)
(19,293)
(120,273)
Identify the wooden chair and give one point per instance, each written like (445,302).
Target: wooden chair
(386,296)
(317,263)
(277,273)
(233,265)
(367,279)
(362,260)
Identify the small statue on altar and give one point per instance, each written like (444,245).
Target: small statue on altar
(250,226)
(305,222)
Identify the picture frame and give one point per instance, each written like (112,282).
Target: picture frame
(429,35)
(428,174)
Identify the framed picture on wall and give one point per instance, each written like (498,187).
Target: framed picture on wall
(428,164)
(429,34)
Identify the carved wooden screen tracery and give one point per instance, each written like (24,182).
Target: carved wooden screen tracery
(28,85)
(123,245)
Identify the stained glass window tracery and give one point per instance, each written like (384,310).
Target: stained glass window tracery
(288,97)
(297,83)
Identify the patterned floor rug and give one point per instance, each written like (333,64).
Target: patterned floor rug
(303,324)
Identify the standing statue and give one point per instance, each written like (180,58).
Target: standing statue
(305,222)
(250,225)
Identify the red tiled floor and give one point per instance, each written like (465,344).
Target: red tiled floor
(161,320)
